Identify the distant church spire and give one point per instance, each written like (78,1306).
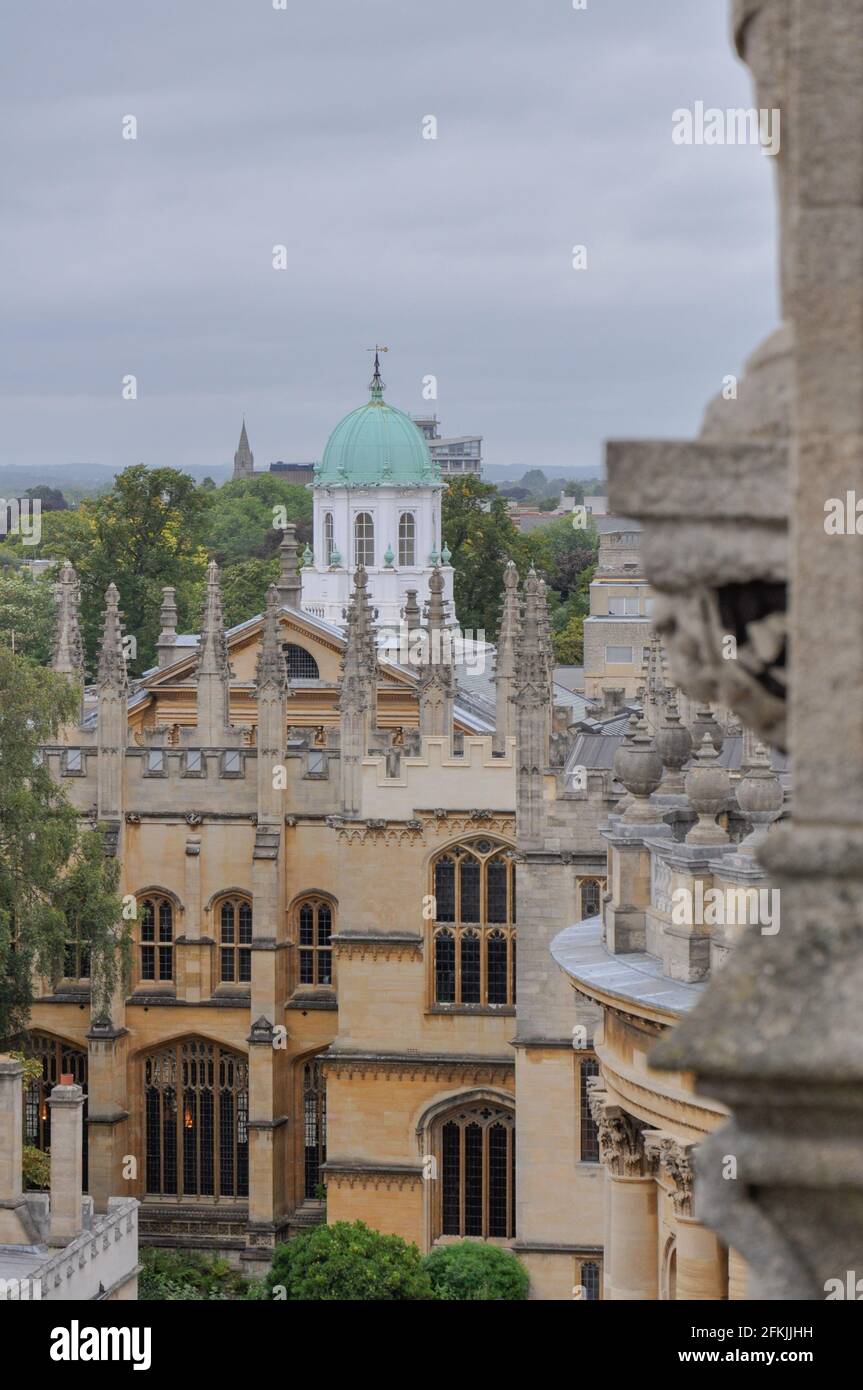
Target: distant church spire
(244,459)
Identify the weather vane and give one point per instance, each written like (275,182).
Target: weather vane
(376,385)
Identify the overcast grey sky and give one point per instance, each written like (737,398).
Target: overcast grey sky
(303,127)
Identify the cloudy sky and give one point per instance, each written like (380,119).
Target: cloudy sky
(302,127)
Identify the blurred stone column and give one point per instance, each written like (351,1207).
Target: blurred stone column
(67,1168)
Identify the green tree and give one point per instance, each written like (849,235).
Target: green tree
(481,536)
(92,907)
(56,883)
(569,642)
(146,532)
(38,831)
(468,1271)
(348,1262)
(244,588)
(240,523)
(27,614)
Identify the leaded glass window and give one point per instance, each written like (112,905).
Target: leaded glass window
(156,938)
(314,942)
(475,1149)
(589,1133)
(235,941)
(473,932)
(196,1116)
(314,1126)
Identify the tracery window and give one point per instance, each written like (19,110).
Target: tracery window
(474,925)
(589,1132)
(314,938)
(407,539)
(196,1105)
(314,1126)
(476,1166)
(156,937)
(364,539)
(235,941)
(591,897)
(58,1058)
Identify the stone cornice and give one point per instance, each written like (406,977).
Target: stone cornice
(455,1067)
(362,944)
(386,1176)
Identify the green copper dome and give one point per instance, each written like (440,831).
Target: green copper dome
(375,446)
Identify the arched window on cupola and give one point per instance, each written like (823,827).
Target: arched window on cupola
(407,539)
(329,538)
(364,539)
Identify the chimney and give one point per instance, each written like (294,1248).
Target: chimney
(67,1172)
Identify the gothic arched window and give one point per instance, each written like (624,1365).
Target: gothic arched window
(364,539)
(591,894)
(407,539)
(475,1156)
(329,538)
(235,940)
(314,941)
(473,931)
(196,1108)
(314,1126)
(156,937)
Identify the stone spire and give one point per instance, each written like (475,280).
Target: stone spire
(112,658)
(112,685)
(272,668)
(504,666)
(547,646)
(166,645)
(290,585)
(532,705)
(358,699)
(437,682)
(271,695)
(68,655)
(213,673)
(244,459)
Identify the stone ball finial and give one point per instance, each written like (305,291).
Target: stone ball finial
(639,767)
(705,722)
(674,746)
(760,798)
(708,787)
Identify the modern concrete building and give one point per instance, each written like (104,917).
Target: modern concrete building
(455,455)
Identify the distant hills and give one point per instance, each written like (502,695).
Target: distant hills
(514,472)
(84,477)
(79,478)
